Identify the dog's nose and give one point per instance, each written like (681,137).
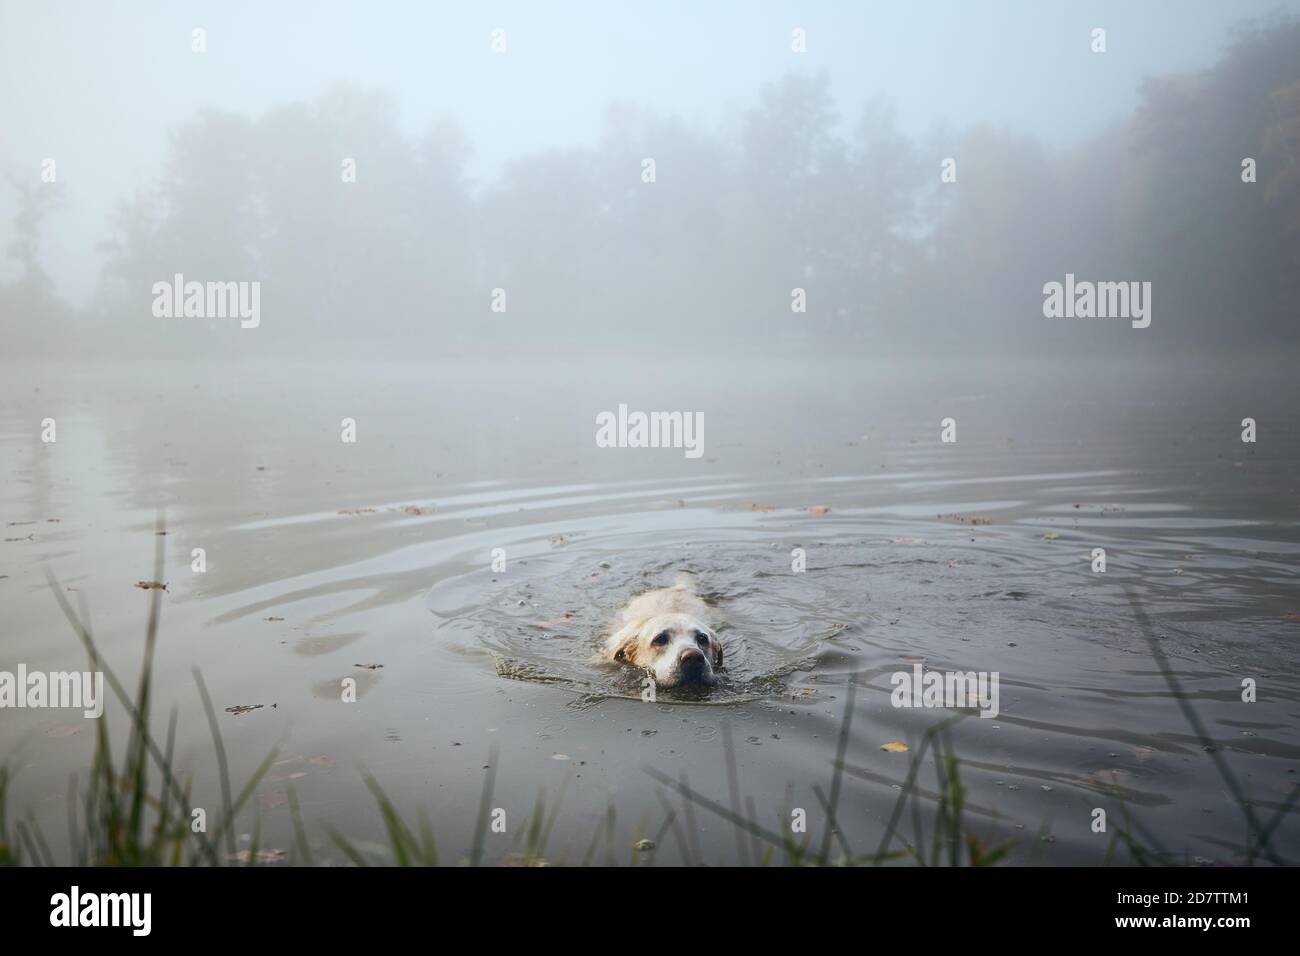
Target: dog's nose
(691,657)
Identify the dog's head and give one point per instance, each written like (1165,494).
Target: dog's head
(677,648)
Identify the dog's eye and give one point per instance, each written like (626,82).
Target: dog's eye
(660,639)
(701,639)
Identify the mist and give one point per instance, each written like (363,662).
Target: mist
(505,413)
(581,181)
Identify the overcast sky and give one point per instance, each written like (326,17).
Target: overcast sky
(96,85)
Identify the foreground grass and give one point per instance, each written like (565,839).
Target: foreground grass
(140,813)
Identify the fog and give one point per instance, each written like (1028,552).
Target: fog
(413,181)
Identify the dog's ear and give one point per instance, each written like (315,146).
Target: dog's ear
(623,645)
(715,646)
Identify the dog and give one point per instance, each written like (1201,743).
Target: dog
(666,632)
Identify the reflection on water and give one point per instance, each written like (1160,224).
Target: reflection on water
(371,561)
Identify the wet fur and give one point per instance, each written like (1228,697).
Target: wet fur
(677,611)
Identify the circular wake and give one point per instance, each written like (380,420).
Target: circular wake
(545,619)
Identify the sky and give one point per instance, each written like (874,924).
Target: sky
(98,85)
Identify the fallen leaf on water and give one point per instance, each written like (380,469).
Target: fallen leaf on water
(243,708)
(643,845)
(264,857)
(557,621)
(418,509)
(273,799)
(273,619)
(894,747)
(757,507)
(962,519)
(1051,536)
(819,510)
(557,539)
(952,564)
(356,511)
(297,767)
(151,585)
(369,667)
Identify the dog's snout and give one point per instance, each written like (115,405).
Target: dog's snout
(691,657)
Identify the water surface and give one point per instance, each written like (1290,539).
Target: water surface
(325,559)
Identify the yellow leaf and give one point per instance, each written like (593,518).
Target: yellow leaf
(894,747)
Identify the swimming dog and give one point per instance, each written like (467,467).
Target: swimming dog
(666,632)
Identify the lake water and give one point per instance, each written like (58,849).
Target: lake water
(973,555)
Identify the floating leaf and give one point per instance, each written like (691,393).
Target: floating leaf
(262,857)
(151,585)
(894,747)
(559,620)
(962,519)
(1051,536)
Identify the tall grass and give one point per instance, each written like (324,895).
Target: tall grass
(140,813)
(946,839)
